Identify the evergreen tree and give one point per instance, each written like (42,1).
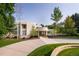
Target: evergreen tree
(56,16)
(75,18)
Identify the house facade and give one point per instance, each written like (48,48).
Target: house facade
(24,29)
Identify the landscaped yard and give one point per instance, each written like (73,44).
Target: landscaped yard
(4,42)
(45,50)
(69,52)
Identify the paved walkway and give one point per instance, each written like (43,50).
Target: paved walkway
(25,47)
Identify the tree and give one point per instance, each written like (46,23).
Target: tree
(75,18)
(6,13)
(69,26)
(42,25)
(60,27)
(56,16)
(33,32)
(2,27)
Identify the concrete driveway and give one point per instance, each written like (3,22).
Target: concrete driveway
(21,49)
(50,41)
(25,47)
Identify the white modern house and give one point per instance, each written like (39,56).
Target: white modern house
(24,29)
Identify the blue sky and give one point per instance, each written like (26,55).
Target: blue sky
(40,13)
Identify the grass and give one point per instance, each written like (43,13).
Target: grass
(4,42)
(45,50)
(69,52)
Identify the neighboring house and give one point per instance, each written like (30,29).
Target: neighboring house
(24,29)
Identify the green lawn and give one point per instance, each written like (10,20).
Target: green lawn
(4,42)
(69,52)
(45,50)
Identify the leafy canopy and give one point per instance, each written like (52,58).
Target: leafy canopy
(6,17)
(69,26)
(75,17)
(33,32)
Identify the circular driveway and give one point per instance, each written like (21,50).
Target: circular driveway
(25,47)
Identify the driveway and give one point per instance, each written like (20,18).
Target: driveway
(25,47)
(22,48)
(50,41)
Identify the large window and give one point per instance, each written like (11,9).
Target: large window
(24,26)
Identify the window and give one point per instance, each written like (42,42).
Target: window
(23,26)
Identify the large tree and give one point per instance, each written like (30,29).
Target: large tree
(3,29)
(75,17)
(6,13)
(69,26)
(56,16)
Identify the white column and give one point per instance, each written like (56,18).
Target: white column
(20,30)
(46,33)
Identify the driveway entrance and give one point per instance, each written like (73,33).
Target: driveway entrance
(25,47)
